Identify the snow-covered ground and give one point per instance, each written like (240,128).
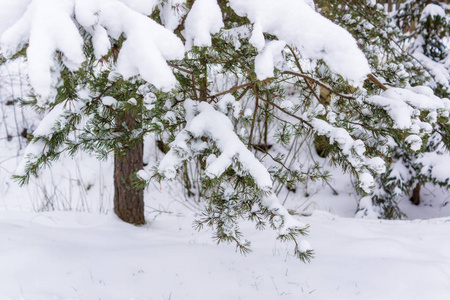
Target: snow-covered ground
(79,255)
(72,255)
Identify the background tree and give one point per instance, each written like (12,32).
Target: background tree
(395,45)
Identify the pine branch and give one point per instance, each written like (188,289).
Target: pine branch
(320,83)
(375,80)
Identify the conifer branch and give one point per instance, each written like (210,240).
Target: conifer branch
(375,80)
(249,84)
(297,62)
(286,112)
(194,83)
(320,83)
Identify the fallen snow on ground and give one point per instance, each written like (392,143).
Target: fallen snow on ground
(68,255)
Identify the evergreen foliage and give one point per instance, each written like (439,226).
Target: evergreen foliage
(399,47)
(273,121)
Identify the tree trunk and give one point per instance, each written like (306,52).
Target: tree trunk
(415,199)
(321,142)
(128,201)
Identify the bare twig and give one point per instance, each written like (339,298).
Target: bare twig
(375,80)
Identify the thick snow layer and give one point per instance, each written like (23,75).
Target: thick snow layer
(48,26)
(143,6)
(297,24)
(436,165)
(11,11)
(432,10)
(354,149)
(171,13)
(366,182)
(204,19)
(402,104)
(269,58)
(88,256)
(218,127)
(440,71)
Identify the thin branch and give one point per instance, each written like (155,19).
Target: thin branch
(180,68)
(104,91)
(320,83)
(243,93)
(231,90)
(375,80)
(297,62)
(194,83)
(285,111)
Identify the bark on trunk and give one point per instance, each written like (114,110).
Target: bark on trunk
(321,142)
(415,199)
(128,201)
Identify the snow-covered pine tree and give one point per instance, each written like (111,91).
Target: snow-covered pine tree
(386,45)
(426,28)
(234,85)
(426,25)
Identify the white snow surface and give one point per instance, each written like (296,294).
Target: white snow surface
(48,26)
(218,127)
(67,255)
(297,24)
(77,255)
(204,19)
(432,10)
(436,165)
(269,58)
(171,13)
(402,104)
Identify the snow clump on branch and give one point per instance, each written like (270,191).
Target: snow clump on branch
(47,27)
